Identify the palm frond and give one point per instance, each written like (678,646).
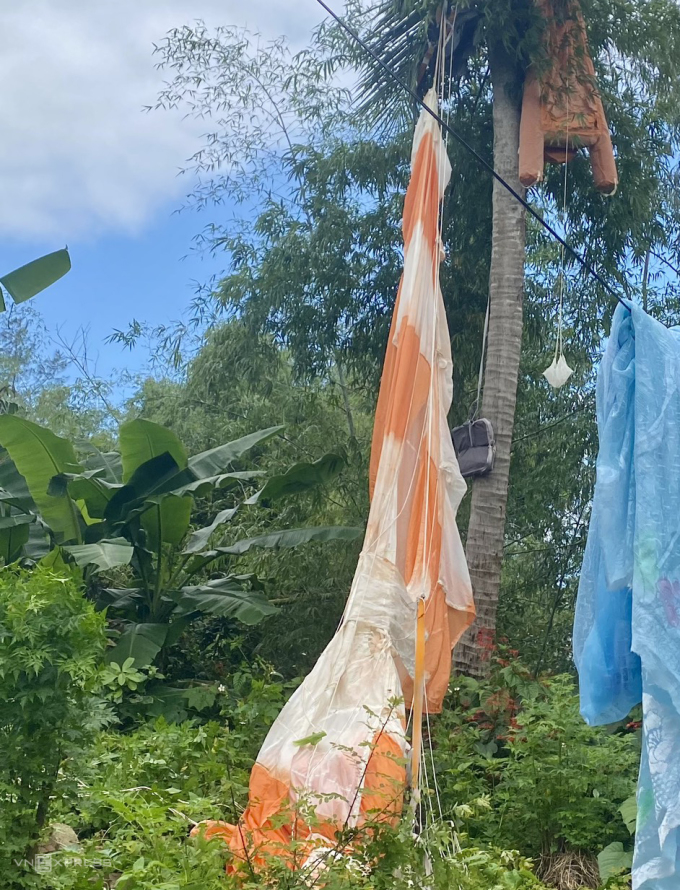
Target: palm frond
(405,34)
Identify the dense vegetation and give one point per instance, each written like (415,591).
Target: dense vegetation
(177,548)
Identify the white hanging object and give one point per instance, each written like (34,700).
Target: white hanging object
(558,373)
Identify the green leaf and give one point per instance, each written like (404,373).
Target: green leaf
(292,537)
(54,559)
(144,483)
(12,541)
(38,544)
(16,519)
(216,460)
(109,461)
(104,555)
(89,487)
(139,641)
(202,487)
(29,280)
(39,455)
(170,521)
(300,478)
(167,702)
(198,539)
(227,598)
(614,859)
(115,599)
(200,697)
(312,739)
(628,810)
(177,626)
(13,488)
(140,442)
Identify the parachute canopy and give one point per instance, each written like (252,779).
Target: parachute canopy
(335,757)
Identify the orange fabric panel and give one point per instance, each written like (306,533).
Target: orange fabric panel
(531,137)
(409,384)
(602,161)
(383,792)
(266,794)
(421,204)
(424,538)
(256,837)
(437,654)
(259,836)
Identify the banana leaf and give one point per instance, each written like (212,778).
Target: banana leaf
(142,642)
(198,539)
(300,478)
(34,277)
(292,537)
(141,441)
(145,483)
(217,460)
(89,487)
(39,455)
(228,599)
(13,538)
(103,555)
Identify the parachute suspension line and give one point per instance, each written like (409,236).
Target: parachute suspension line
(445,86)
(418,759)
(435,783)
(417,709)
(454,846)
(564,226)
(559,371)
(474,410)
(586,266)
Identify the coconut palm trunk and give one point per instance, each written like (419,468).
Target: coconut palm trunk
(506,288)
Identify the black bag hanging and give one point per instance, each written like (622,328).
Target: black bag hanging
(474,442)
(475,447)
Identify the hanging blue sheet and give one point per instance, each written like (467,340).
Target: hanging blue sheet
(627,625)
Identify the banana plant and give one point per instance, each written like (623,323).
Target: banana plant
(133,508)
(17,525)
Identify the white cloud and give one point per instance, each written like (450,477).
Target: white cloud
(78,155)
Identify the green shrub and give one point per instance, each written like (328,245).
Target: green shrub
(564,781)
(553,782)
(51,644)
(140,793)
(124,778)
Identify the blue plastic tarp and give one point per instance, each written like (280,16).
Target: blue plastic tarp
(627,624)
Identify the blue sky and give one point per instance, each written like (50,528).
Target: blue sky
(82,164)
(148,274)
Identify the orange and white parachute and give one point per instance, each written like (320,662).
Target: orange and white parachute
(336,755)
